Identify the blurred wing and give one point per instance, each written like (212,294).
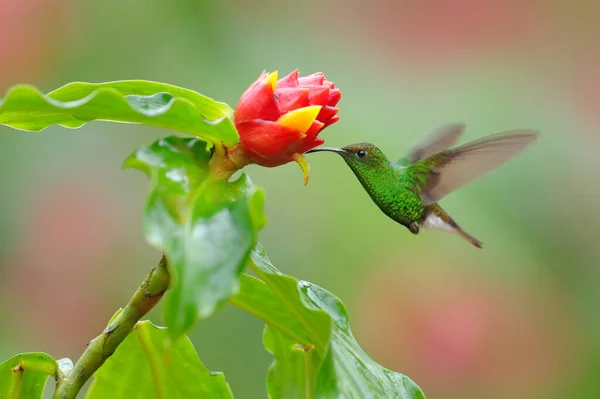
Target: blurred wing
(435,141)
(452,169)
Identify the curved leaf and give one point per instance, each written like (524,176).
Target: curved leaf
(24,375)
(149,365)
(206,227)
(348,371)
(309,334)
(131,101)
(288,313)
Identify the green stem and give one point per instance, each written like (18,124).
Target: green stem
(104,345)
(14,392)
(308,386)
(225,162)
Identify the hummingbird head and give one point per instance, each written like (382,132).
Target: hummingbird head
(358,156)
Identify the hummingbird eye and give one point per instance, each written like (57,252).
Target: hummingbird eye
(361,153)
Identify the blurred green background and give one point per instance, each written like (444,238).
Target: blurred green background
(519,319)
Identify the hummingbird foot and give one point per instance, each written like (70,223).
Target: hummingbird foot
(414,227)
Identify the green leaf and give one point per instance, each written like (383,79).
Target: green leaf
(131,101)
(294,371)
(205,226)
(149,365)
(309,334)
(24,376)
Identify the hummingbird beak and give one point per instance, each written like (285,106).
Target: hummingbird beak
(330,149)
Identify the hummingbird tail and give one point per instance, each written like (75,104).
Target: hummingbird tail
(437,218)
(474,241)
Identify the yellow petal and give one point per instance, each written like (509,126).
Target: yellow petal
(272,79)
(303,162)
(300,119)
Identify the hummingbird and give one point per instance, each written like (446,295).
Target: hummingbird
(408,190)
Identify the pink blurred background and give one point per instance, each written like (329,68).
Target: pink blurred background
(518,319)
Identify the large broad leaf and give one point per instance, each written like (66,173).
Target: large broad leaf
(149,365)
(132,101)
(24,375)
(309,335)
(206,227)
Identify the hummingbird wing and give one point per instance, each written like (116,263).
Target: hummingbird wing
(433,142)
(451,169)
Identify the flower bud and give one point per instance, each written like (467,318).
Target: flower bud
(279,120)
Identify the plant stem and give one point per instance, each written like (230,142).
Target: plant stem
(14,390)
(104,345)
(225,162)
(308,385)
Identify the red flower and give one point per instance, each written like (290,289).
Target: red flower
(279,120)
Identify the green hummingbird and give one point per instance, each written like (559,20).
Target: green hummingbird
(408,191)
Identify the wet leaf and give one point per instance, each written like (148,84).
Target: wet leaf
(131,101)
(309,334)
(205,226)
(149,365)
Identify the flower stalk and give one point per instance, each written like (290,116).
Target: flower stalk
(224,162)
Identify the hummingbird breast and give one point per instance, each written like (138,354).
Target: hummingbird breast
(394,195)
